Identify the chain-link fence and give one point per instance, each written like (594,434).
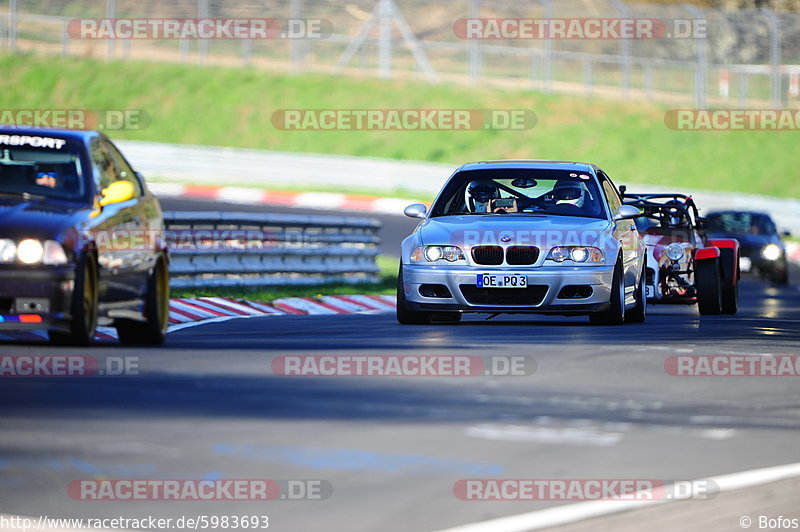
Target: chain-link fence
(744,58)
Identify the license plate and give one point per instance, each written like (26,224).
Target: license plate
(745,264)
(505,280)
(649,291)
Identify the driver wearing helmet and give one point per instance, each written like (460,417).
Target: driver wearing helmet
(569,193)
(479,193)
(673,217)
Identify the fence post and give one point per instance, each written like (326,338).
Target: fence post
(296,46)
(65,38)
(474,45)
(743,89)
(111,12)
(774,57)
(384,40)
(13,17)
(625,52)
(547,56)
(202,13)
(701,68)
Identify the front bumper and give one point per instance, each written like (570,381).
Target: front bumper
(43,291)
(552,279)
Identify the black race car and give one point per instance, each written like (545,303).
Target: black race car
(761,247)
(80,240)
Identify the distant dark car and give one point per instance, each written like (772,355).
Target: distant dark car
(79,240)
(762,250)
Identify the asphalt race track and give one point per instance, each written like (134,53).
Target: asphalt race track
(207,406)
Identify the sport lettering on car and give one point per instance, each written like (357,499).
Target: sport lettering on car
(34,142)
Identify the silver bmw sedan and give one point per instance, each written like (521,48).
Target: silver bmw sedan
(549,237)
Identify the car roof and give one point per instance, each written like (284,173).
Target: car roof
(530,164)
(71,134)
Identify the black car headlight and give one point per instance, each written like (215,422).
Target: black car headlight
(771,252)
(32,251)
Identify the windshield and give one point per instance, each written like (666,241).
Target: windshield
(509,192)
(46,173)
(740,223)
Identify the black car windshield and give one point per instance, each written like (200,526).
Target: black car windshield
(55,174)
(740,223)
(509,192)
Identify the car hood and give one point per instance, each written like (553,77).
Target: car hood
(749,240)
(492,229)
(38,219)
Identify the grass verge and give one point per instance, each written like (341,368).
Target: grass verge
(212,105)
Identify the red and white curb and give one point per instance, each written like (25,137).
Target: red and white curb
(188,312)
(306,200)
(793,252)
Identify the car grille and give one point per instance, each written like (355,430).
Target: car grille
(488,255)
(514,255)
(521,255)
(528,296)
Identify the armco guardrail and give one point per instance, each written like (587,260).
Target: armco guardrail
(253,249)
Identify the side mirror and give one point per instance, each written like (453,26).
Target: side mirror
(417,210)
(627,212)
(117,192)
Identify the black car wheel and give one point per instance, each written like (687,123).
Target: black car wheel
(638,314)
(708,280)
(615,314)
(405,316)
(153,330)
(83,308)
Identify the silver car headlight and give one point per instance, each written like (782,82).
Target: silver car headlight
(771,252)
(577,254)
(437,253)
(675,251)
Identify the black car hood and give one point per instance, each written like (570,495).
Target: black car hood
(20,218)
(749,241)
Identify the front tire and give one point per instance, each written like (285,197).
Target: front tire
(83,307)
(404,315)
(638,314)
(708,281)
(152,331)
(615,315)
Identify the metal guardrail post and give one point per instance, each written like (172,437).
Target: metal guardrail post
(474,45)
(625,52)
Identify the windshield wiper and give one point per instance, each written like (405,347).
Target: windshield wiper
(24,195)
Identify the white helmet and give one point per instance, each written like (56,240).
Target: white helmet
(569,192)
(479,193)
